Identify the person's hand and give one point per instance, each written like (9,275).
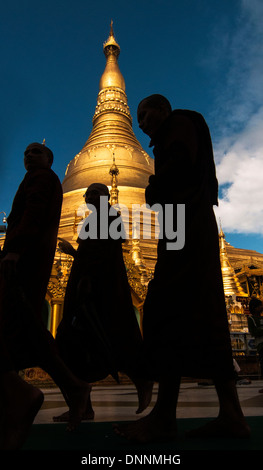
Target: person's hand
(8,266)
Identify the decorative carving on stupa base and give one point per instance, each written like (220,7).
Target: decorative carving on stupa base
(57,287)
(135,277)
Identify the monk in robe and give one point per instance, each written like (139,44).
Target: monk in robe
(25,268)
(185,325)
(99,334)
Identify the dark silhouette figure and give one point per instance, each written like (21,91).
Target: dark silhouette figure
(185,325)
(99,334)
(25,268)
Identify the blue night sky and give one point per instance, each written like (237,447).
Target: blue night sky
(201,54)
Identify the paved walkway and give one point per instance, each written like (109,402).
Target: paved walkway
(119,402)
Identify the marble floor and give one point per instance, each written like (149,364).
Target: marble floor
(119,402)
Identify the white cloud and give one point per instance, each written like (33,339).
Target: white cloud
(236,59)
(241,168)
(239,151)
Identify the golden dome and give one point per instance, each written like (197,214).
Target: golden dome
(112,135)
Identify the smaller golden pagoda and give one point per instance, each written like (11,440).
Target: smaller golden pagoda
(114,192)
(235,296)
(231,283)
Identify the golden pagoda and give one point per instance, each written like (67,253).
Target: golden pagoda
(113,156)
(112,140)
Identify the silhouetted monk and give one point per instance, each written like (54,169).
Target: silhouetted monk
(25,269)
(99,333)
(185,324)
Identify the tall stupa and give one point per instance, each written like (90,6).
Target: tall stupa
(112,141)
(112,155)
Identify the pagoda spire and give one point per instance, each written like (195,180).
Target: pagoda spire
(111,133)
(112,76)
(112,97)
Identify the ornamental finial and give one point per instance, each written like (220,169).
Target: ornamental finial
(111,28)
(111,41)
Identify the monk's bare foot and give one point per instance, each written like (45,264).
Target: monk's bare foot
(151,428)
(87,415)
(222,427)
(77,400)
(64,417)
(19,415)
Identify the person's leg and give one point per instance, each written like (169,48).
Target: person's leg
(21,402)
(75,391)
(160,423)
(230,421)
(144,391)
(88,414)
(40,350)
(37,348)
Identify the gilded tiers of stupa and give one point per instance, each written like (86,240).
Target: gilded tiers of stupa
(112,140)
